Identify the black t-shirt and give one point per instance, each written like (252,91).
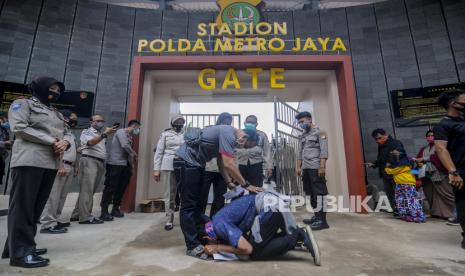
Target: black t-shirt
(452,130)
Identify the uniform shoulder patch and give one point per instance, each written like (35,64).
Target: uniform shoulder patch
(16,106)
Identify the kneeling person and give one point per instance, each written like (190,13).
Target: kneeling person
(273,233)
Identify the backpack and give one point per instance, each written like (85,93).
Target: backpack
(192,136)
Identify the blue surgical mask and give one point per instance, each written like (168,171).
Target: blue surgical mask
(305,126)
(6,125)
(250,126)
(136,131)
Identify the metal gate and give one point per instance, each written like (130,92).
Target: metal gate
(205,120)
(285,147)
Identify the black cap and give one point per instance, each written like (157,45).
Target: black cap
(303,114)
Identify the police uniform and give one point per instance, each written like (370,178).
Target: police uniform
(313,146)
(92,173)
(167,145)
(252,160)
(56,201)
(33,169)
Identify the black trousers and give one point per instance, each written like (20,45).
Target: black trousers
(389,186)
(116,181)
(29,193)
(219,189)
(190,213)
(315,187)
(274,243)
(253,173)
(460,206)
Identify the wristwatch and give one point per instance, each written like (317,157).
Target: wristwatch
(454,173)
(246,185)
(104,135)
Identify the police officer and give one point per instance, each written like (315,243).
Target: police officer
(170,141)
(311,165)
(252,161)
(41,139)
(92,166)
(51,221)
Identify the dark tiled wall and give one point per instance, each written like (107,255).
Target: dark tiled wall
(395,44)
(18,24)
(112,84)
(455,20)
(370,82)
(51,44)
(86,46)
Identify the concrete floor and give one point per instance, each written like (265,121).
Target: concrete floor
(374,244)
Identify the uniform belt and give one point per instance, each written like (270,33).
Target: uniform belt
(68,162)
(93,157)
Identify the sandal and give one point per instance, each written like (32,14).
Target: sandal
(197,253)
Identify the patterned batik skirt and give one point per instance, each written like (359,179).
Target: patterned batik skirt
(408,203)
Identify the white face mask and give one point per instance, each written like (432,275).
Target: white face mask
(98,126)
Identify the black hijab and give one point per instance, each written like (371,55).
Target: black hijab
(40,86)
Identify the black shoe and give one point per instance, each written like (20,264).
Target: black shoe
(53,230)
(117,213)
(176,208)
(319,225)
(39,251)
(92,221)
(74,219)
(63,225)
(309,241)
(106,217)
(309,221)
(30,261)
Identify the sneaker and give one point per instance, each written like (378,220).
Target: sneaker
(106,217)
(197,253)
(92,221)
(319,225)
(117,213)
(169,224)
(453,222)
(310,220)
(310,244)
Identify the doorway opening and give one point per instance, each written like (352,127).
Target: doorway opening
(321,85)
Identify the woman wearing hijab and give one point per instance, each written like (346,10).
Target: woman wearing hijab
(163,171)
(41,139)
(435,182)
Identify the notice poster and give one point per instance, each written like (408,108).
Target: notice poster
(418,106)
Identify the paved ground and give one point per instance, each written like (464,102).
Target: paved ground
(355,245)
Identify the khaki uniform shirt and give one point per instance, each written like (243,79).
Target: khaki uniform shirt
(36,127)
(167,145)
(313,146)
(99,150)
(258,154)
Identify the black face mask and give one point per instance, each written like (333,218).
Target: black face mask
(39,88)
(54,98)
(178,128)
(72,123)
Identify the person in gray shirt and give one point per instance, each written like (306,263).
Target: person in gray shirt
(216,141)
(119,168)
(92,165)
(311,166)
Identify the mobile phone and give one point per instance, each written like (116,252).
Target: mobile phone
(116,125)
